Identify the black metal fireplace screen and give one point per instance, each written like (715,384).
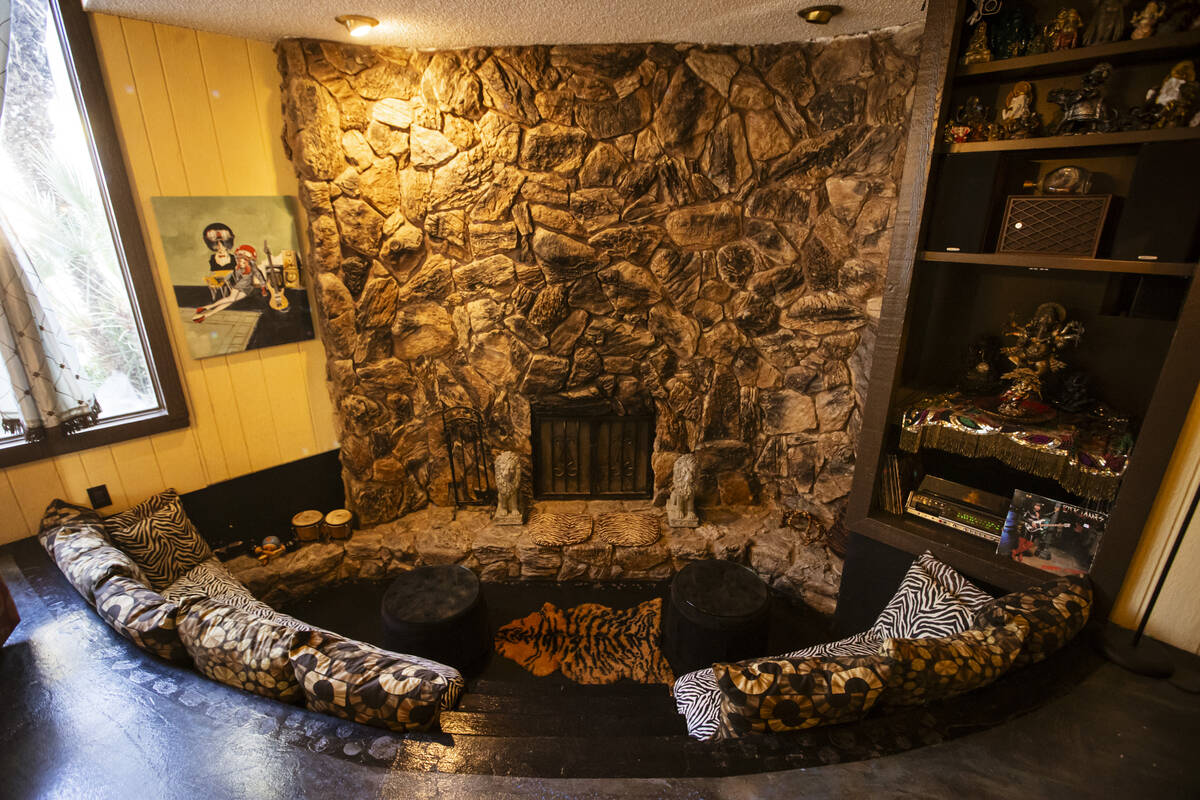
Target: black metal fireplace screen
(470,473)
(592,456)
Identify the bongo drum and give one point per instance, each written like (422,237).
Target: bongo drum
(337,524)
(307,525)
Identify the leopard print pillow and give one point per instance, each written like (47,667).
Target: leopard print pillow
(937,668)
(784,694)
(1054,612)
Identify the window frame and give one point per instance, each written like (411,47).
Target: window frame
(87,82)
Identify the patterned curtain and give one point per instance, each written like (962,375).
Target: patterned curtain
(5,30)
(50,396)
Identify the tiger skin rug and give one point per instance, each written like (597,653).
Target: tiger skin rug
(592,644)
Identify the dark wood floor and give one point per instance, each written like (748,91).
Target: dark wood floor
(87,715)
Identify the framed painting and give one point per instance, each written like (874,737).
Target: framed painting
(235,270)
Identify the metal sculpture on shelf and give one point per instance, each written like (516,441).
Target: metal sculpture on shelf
(1085,110)
(1032,349)
(508,489)
(1063,33)
(1145,20)
(969,123)
(977,47)
(681,505)
(1172,103)
(1107,24)
(470,481)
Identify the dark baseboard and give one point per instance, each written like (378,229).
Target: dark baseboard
(249,507)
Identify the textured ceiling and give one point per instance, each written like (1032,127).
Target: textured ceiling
(463,23)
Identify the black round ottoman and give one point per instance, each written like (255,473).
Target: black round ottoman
(718,611)
(438,613)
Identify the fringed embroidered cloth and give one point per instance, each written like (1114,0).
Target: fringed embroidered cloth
(1087,454)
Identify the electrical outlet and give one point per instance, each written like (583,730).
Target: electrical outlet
(98,495)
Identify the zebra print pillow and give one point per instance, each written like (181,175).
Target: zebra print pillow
(933,600)
(211,579)
(698,698)
(158,535)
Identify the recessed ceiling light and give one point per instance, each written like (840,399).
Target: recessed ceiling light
(819,15)
(357,24)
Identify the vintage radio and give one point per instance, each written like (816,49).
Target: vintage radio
(1065,226)
(963,508)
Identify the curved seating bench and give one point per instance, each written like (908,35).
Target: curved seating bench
(150,576)
(938,637)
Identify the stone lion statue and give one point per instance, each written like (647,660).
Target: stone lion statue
(681,505)
(508,488)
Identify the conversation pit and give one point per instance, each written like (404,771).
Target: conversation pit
(569,654)
(656,400)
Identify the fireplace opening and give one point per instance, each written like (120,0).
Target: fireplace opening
(578,456)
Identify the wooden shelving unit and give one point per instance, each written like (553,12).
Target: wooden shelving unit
(1049,261)
(1065,61)
(1117,139)
(932,292)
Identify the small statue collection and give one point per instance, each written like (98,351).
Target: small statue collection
(1007,30)
(1012,31)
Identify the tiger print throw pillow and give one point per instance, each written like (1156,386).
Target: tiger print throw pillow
(160,538)
(933,600)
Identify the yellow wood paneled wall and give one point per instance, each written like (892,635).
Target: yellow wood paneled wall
(1176,616)
(197,114)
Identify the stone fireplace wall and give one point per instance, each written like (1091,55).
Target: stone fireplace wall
(698,230)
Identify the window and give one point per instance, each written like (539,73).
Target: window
(66,201)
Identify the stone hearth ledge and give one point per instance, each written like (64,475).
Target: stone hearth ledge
(784,557)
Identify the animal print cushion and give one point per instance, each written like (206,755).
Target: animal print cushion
(211,579)
(158,535)
(142,616)
(784,694)
(698,698)
(240,649)
(74,538)
(937,668)
(933,600)
(1055,612)
(362,683)
(60,512)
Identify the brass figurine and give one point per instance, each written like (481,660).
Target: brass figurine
(977,48)
(1033,352)
(1064,31)
(1145,20)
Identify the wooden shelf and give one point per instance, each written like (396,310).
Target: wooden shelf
(1076,141)
(1062,61)
(1164,392)
(969,554)
(1043,261)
